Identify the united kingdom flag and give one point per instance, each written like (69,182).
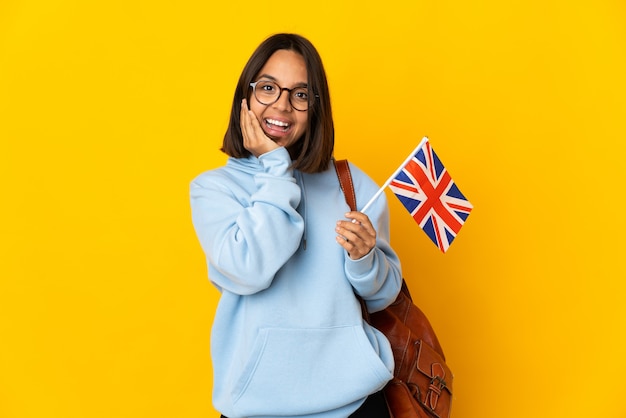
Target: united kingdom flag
(427,191)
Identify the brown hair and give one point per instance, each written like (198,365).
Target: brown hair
(311,153)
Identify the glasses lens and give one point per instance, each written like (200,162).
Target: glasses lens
(266,92)
(299,98)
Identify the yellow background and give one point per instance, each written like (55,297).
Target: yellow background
(109,109)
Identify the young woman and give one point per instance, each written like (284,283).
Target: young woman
(288,256)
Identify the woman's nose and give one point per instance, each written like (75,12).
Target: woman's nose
(283,102)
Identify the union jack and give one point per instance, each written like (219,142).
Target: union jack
(427,191)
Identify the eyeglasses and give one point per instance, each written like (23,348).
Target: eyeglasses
(267,93)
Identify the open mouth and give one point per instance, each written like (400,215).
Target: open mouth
(277,125)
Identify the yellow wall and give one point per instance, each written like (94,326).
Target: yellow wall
(108,109)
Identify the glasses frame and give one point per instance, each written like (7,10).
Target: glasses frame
(310,102)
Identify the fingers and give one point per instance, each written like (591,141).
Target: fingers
(254,139)
(357,235)
(247,126)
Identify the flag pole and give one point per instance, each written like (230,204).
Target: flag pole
(384,186)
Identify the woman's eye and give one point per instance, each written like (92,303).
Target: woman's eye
(301,95)
(268,87)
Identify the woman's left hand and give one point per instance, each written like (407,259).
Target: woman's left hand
(356,235)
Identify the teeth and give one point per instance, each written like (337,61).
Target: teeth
(277,123)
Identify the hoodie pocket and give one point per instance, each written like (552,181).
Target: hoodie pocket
(304,371)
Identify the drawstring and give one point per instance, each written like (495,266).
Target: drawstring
(300,181)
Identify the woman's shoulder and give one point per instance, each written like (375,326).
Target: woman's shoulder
(365,187)
(221,176)
(360,176)
(356,170)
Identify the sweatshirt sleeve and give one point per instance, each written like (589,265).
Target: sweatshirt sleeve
(377,276)
(245,236)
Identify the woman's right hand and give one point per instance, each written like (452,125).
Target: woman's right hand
(254,139)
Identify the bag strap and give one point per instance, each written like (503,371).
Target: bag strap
(347,187)
(345,182)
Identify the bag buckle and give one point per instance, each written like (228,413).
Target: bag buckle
(437,384)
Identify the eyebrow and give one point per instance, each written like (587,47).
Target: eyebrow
(276,80)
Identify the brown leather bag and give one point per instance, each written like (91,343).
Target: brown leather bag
(422,382)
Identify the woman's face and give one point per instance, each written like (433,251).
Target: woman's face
(280,121)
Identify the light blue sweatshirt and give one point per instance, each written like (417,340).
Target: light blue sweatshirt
(288,338)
